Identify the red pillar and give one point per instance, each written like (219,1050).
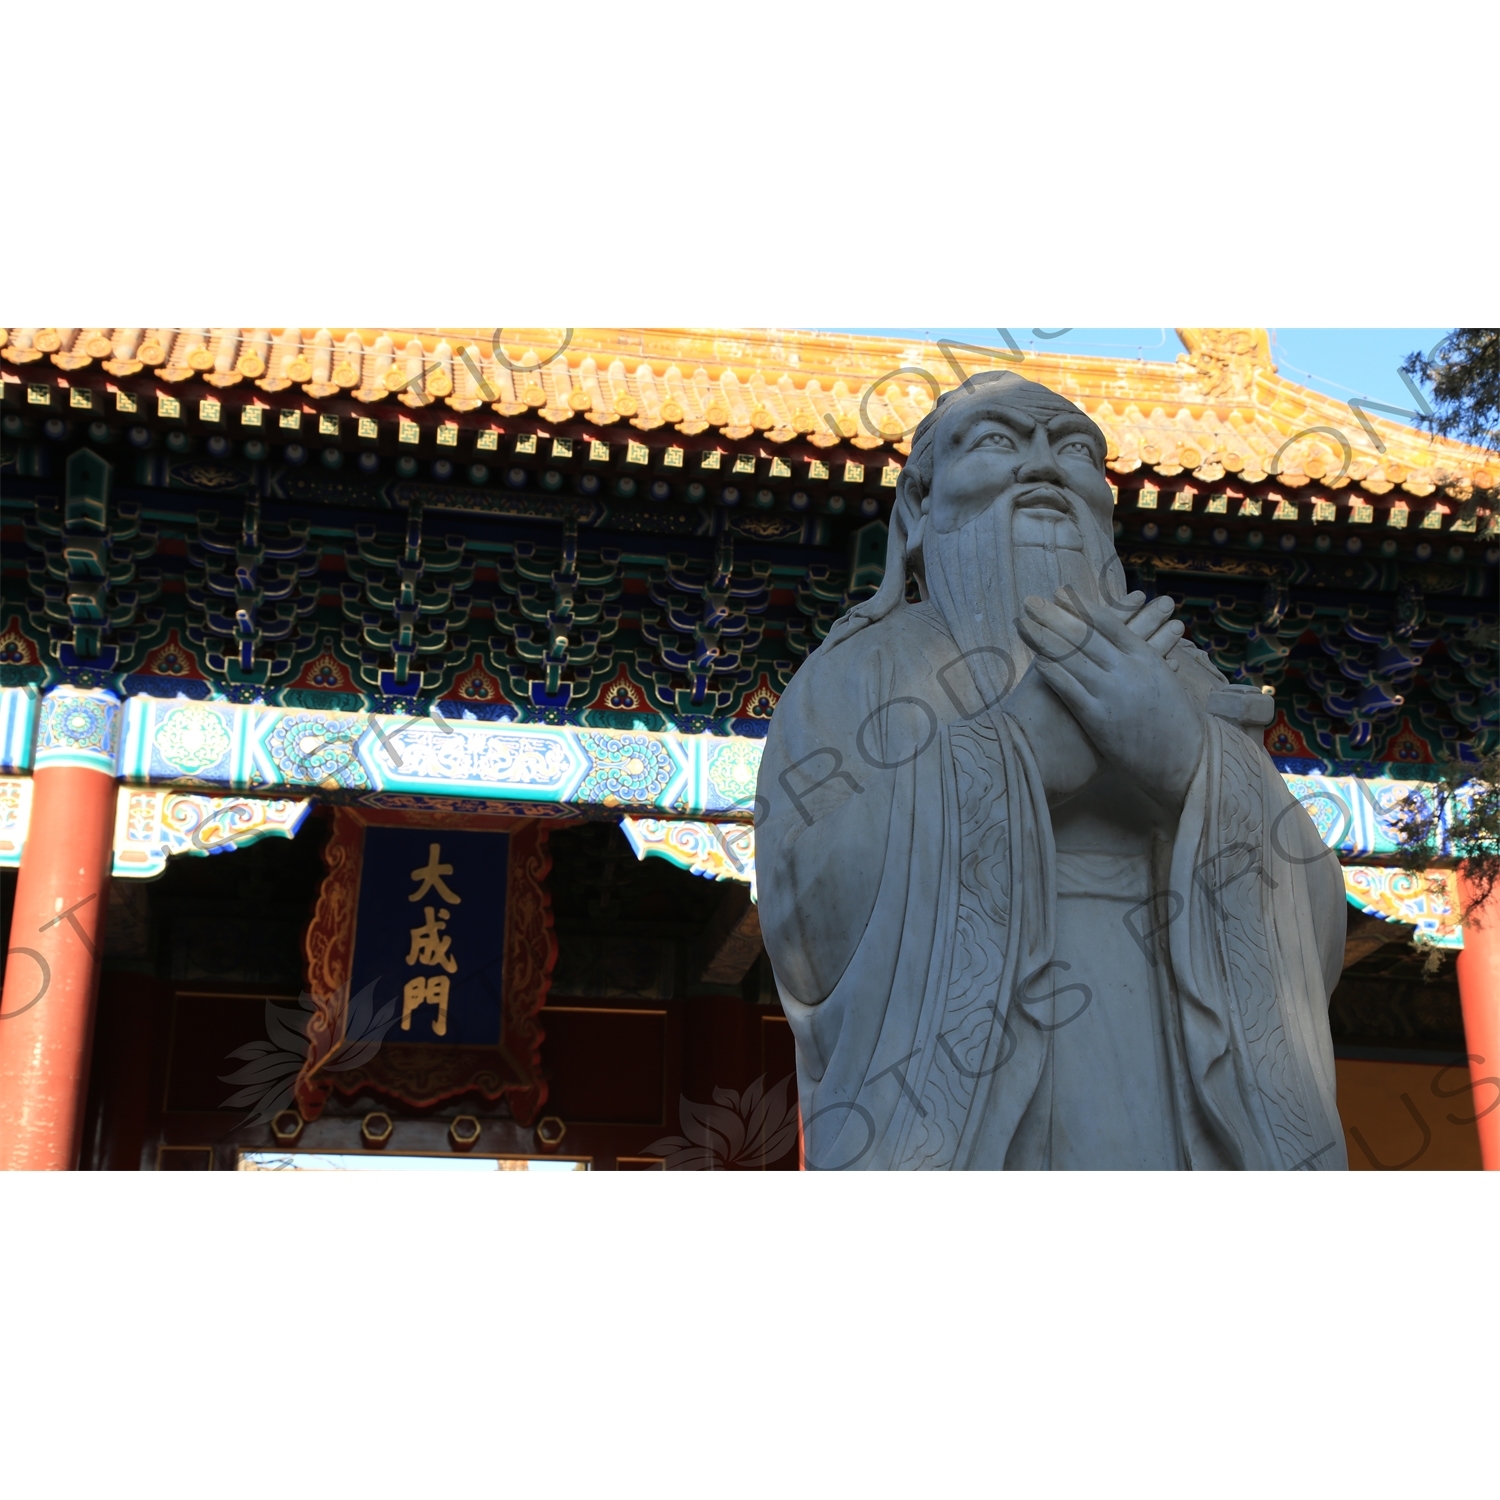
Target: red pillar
(57,935)
(1479,992)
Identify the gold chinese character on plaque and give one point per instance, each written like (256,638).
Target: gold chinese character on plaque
(447,435)
(429,943)
(598,452)
(854,473)
(426,990)
(429,877)
(672,458)
(39,395)
(780,468)
(817,469)
(369,427)
(168,406)
(125,402)
(252,416)
(408,432)
(328,425)
(711,459)
(637,453)
(209,410)
(487,442)
(81,398)
(526,443)
(889,475)
(562,447)
(744,463)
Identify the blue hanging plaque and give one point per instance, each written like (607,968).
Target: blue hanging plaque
(431,933)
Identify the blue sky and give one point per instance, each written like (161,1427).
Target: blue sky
(1341,362)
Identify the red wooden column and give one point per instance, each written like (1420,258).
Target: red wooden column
(57,933)
(1479,992)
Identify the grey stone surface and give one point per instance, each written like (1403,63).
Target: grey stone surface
(1034,893)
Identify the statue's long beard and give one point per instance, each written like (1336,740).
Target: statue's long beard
(979,577)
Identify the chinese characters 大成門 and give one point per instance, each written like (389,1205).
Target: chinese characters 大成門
(430,946)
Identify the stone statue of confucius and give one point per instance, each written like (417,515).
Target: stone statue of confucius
(1034,893)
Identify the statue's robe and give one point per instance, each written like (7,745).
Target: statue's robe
(965,996)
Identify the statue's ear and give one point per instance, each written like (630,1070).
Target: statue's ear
(915,561)
(910,499)
(909,494)
(914,534)
(911,511)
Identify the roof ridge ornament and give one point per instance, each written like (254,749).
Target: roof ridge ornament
(1228,359)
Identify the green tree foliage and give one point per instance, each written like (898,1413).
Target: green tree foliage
(1458,818)
(1464,374)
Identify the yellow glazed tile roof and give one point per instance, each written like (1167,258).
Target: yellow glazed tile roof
(1220,410)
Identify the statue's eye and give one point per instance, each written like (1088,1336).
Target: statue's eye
(1077,445)
(996,440)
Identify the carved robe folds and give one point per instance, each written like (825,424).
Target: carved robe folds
(964,995)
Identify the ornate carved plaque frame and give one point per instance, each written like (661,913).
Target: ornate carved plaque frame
(415,1075)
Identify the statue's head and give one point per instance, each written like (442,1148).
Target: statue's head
(999,436)
(1005,496)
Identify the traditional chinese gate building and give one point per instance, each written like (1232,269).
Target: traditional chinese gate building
(437,634)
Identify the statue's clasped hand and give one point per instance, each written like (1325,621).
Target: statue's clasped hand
(1108,666)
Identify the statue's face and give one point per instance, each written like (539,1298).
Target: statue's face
(1050,462)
